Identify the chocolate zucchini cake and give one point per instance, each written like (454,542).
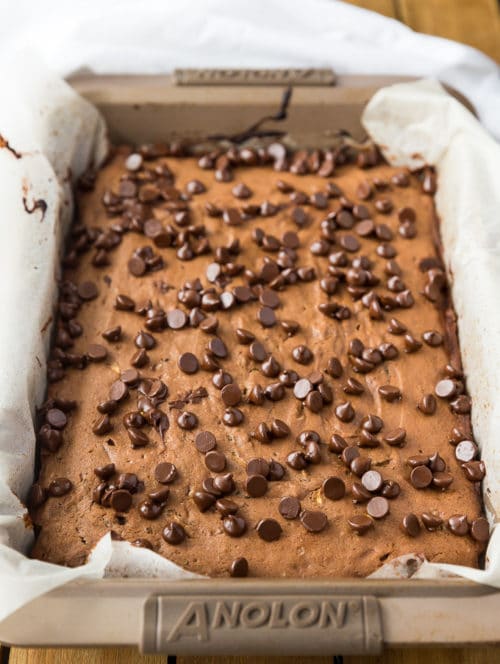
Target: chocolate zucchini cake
(256,369)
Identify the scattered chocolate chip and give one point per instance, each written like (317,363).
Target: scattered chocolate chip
(239,568)
(289,507)
(378,507)
(173,533)
(427,404)
(234,526)
(165,472)
(313,521)
(96,353)
(421,477)
(215,461)
(390,393)
(205,441)
(458,524)
(269,530)
(410,525)
(59,487)
(480,530)
(256,485)
(334,488)
(360,523)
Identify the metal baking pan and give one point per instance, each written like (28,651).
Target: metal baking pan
(249,616)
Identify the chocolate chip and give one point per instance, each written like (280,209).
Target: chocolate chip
(269,530)
(396,327)
(421,477)
(144,340)
(224,483)
(334,368)
(188,363)
(349,243)
(427,404)
(232,417)
(139,359)
(371,480)
(118,391)
(432,338)
(239,568)
(56,418)
(442,480)
(378,507)
(360,523)
(244,336)
(149,509)
(256,485)
(345,412)
(203,500)
(234,526)
(133,162)
(337,444)
(446,388)
(187,420)
(313,521)
(431,521)
(390,393)
(205,441)
(461,405)
(334,488)
(102,426)
(217,347)
(302,388)
(137,266)
(297,460)
(289,507)
(215,461)
(121,500)
(466,451)
(176,319)
(105,472)
(302,354)
(458,524)
(173,533)
(96,353)
(113,333)
(88,290)
(474,470)
(130,377)
(395,437)
(410,525)
(59,487)
(411,344)
(231,394)
(480,530)
(165,472)
(137,437)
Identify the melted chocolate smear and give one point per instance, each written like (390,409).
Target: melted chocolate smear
(5,144)
(254,131)
(39,204)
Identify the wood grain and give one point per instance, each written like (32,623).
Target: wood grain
(432,656)
(385,7)
(82,656)
(254,660)
(473,22)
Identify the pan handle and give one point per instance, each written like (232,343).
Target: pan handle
(235,621)
(266,77)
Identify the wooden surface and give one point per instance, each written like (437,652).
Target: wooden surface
(474,22)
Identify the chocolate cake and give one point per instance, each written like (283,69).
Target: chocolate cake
(256,369)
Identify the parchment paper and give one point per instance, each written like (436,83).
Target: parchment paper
(54,136)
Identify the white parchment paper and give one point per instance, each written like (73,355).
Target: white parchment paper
(54,136)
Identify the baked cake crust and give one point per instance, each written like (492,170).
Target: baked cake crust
(393,224)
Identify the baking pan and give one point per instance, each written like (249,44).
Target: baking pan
(249,616)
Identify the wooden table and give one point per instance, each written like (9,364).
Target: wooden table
(474,22)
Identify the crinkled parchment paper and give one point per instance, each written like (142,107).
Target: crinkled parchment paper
(50,136)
